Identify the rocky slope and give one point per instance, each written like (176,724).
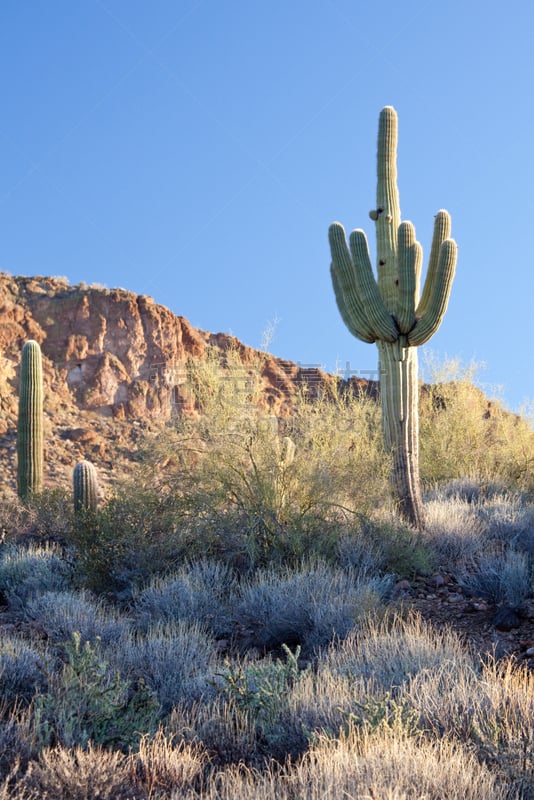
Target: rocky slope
(114,366)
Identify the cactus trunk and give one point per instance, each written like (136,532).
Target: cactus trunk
(399,391)
(85,486)
(30,422)
(388,310)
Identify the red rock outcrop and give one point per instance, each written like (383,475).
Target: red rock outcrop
(120,354)
(115,362)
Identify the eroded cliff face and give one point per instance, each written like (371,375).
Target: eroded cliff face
(104,351)
(115,362)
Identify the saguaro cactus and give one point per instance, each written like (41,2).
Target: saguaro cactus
(30,422)
(390,312)
(85,485)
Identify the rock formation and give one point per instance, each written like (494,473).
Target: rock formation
(114,364)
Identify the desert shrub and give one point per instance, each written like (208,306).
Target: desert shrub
(14,516)
(22,671)
(463,525)
(508,518)
(28,570)
(227,732)
(462,434)
(453,528)
(87,701)
(384,543)
(177,661)
(261,690)
(51,513)
(306,607)
(197,593)
(407,552)
(45,515)
(128,540)
(61,614)
(231,467)
(489,708)
(467,489)
(503,579)
(89,773)
(162,763)
(381,764)
(364,554)
(272,707)
(392,651)
(15,743)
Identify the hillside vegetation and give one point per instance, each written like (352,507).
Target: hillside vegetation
(230,622)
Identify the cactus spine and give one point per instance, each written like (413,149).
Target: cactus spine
(85,485)
(30,422)
(390,312)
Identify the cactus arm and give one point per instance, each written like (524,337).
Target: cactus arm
(30,438)
(410,260)
(381,320)
(442,231)
(439,295)
(344,304)
(345,289)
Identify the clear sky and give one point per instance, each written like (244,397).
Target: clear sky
(197,151)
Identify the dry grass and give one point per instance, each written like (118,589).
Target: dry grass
(163,765)
(76,774)
(383,765)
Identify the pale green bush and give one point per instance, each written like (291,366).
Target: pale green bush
(28,570)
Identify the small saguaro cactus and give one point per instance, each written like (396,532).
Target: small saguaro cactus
(390,312)
(85,485)
(30,422)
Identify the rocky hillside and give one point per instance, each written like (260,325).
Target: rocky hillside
(114,367)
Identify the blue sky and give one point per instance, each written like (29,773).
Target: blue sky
(197,151)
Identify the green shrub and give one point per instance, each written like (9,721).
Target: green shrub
(232,461)
(124,543)
(88,702)
(261,691)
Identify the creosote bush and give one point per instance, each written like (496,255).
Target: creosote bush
(462,434)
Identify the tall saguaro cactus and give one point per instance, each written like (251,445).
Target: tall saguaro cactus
(30,422)
(390,312)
